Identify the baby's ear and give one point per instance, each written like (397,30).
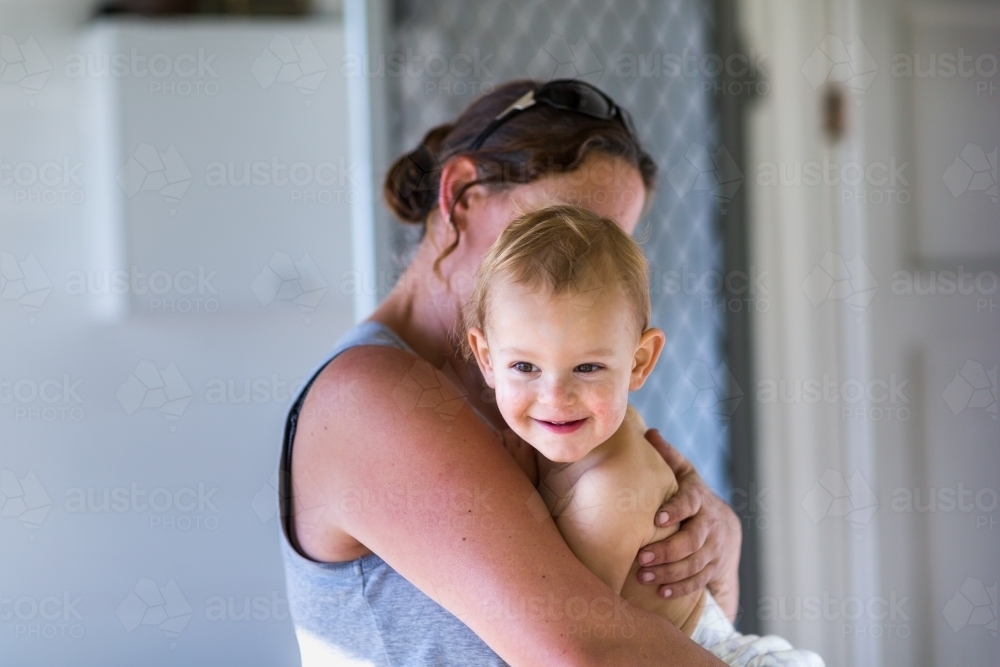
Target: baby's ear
(646,354)
(481,351)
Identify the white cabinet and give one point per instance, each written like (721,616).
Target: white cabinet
(223,179)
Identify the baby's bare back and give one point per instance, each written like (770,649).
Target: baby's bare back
(605,505)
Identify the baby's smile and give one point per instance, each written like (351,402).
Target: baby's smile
(562,426)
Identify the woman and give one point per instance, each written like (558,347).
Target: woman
(412,533)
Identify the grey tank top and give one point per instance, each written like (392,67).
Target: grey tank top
(362,612)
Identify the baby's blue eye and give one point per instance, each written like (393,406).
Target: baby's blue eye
(587,368)
(524,367)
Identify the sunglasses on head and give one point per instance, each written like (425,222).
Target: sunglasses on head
(565,94)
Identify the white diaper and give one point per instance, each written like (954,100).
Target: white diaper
(717,634)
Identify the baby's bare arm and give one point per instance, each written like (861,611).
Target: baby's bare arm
(610,514)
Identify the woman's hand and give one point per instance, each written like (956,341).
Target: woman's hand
(706,549)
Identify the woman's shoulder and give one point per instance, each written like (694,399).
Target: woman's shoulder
(382,382)
(342,414)
(356,375)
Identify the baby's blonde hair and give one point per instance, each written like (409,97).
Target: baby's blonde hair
(568,250)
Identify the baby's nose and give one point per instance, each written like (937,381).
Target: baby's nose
(557,391)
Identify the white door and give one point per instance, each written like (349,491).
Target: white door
(935,250)
(877,432)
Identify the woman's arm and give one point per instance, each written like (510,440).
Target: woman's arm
(706,550)
(442,502)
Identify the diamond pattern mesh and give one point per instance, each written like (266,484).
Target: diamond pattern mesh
(627,48)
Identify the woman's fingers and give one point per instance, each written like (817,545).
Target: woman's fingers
(706,549)
(684,575)
(685,586)
(684,504)
(678,570)
(678,547)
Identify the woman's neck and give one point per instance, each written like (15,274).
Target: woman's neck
(426,313)
(422,309)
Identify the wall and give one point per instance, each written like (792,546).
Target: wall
(159,304)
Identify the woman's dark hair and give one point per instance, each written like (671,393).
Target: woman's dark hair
(539,141)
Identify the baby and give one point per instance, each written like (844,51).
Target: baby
(558,322)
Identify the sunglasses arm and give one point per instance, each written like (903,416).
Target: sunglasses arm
(520,104)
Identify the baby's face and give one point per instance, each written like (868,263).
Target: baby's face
(562,366)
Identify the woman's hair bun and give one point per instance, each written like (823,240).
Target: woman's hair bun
(411,185)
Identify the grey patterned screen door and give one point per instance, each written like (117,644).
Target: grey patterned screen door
(654,59)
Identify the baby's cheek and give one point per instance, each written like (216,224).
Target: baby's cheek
(612,390)
(513,405)
(511,400)
(612,393)
(610,403)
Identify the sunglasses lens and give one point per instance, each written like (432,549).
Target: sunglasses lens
(574,96)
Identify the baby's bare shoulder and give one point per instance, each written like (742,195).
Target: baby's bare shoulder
(629,462)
